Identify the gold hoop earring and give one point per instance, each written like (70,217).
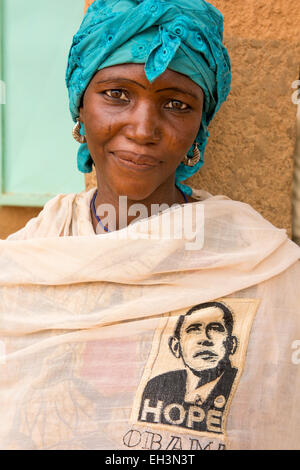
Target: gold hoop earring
(76,133)
(192,161)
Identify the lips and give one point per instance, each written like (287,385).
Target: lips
(133,159)
(205,353)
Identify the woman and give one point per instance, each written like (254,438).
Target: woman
(179,330)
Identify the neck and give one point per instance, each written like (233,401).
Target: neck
(126,209)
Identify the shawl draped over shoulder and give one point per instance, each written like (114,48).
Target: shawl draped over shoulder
(134,342)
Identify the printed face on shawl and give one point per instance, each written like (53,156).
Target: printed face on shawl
(138,132)
(204,340)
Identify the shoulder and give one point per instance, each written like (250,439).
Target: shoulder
(166,380)
(229,374)
(51,221)
(57,217)
(201,195)
(286,281)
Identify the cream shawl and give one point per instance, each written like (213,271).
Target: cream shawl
(90,358)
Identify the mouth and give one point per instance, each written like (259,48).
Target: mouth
(205,354)
(135,161)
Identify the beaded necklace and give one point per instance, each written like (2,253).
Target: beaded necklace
(98,218)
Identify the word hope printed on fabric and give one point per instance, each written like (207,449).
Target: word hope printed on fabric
(194,368)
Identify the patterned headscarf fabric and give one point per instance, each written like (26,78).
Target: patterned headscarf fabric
(182,35)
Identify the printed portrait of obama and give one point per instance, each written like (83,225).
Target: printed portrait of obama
(195,396)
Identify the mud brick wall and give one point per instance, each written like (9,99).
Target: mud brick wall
(250,152)
(13,218)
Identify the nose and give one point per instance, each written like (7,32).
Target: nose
(205,339)
(143,126)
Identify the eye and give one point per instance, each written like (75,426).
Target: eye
(117,94)
(177,105)
(194,327)
(216,327)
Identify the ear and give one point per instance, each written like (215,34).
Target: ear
(174,345)
(233,345)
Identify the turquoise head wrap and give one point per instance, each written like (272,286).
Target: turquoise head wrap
(182,35)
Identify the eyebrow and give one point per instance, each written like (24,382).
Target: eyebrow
(121,80)
(127,80)
(193,325)
(184,92)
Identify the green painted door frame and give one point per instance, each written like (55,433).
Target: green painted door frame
(37,151)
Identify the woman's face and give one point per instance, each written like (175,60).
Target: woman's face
(138,132)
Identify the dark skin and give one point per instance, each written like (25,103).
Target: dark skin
(138,133)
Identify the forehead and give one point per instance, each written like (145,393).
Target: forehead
(136,72)
(204,316)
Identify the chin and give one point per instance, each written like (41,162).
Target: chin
(135,191)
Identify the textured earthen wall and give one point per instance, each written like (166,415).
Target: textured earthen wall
(250,153)
(87,4)
(260,19)
(14,218)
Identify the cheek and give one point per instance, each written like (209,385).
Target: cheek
(189,346)
(220,342)
(181,135)
(98,122)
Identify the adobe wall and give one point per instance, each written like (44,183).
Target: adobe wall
(14,218)
(250,153)
(261,19)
